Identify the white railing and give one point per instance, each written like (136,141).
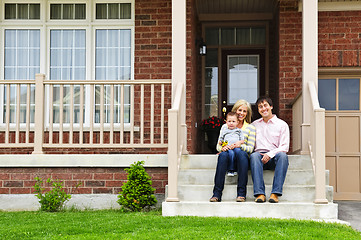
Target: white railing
(176,142)
(317,144)
(297,124)
(84,114)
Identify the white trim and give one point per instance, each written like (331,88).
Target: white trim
(335,6)
(83,160)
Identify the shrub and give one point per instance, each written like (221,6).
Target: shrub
(53,200)
(137,192)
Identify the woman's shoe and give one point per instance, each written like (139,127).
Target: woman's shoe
(214,199)
(241,199)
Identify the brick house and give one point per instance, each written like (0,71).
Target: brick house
(124,80)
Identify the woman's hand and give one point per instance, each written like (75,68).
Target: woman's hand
(238,144)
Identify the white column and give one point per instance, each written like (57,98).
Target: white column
(179,50)
(309,63)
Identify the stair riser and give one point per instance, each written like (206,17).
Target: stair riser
(290,193)
(206,177)
(210,162)
(264,210)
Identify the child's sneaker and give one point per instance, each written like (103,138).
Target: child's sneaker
(230,174)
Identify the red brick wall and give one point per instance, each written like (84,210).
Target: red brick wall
(290,56)
(93,180)
(339,39)
(153,52)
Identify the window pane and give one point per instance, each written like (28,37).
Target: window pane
(125,11)
(34,11)
(101,11)
(243,36)
(80,12)
(22,53)
(68,11)
(67,54)
(227,36)
(212,36)
(23,11)
(349,92)
(10,11)
(327,93)
(55,11)
(258,36)
(242,78)
(211,83)
(113,9)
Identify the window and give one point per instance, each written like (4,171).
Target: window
(68,50)
(113,11)
(67,62)
(243,78)
(113,62)
(22,11)
(226,36)
(339,94)
(211,83)
(22,61)
(67,11)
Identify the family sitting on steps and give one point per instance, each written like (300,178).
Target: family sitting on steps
(261,145)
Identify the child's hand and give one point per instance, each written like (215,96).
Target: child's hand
(241,142)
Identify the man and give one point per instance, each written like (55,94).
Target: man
(272,144)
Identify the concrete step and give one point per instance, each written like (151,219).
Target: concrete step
(206,161)
(300,210)
(206,177)
(291,193)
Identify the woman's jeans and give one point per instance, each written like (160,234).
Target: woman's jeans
(241,158)
(279,163)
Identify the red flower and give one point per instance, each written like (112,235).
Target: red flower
(211,123)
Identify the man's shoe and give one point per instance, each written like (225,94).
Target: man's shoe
(260,198)
(273,198)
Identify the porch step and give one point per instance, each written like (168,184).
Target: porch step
(301,210)
(291,193)
(207,161)
(196,181)
(206,177)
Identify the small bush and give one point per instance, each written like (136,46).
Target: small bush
(54,200)
(137,192)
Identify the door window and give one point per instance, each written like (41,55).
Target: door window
(243,78)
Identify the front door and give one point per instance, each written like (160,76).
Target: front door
(243,77)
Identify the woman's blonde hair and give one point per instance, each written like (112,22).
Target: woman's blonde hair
(242,102)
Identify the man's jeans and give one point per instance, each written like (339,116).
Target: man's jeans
(241,158)
(279,163)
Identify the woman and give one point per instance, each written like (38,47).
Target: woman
(242,152)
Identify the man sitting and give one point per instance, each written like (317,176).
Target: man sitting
(272,144)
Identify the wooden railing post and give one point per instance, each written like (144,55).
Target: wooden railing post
(318,145)
(39,114)
(173,156)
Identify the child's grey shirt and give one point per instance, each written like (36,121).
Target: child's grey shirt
(231,136)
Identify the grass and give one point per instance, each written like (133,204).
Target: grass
(113,224)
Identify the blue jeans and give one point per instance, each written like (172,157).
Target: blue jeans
(279,163)
(241,158)
(231,166)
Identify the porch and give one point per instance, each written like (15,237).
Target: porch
(152,120)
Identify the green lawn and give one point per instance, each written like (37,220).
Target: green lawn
(113,224)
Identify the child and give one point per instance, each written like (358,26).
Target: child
(228,136)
